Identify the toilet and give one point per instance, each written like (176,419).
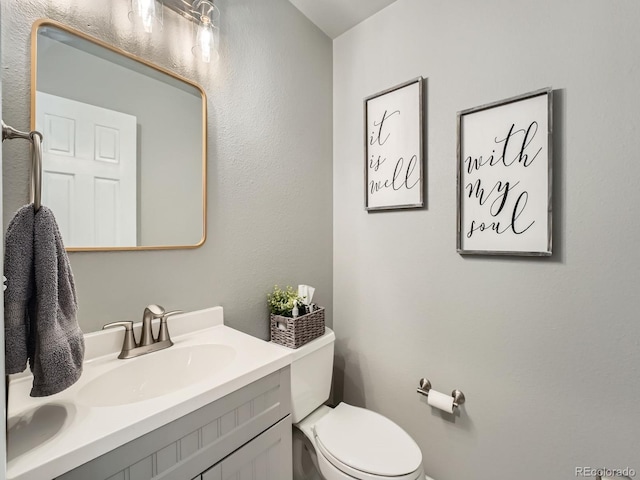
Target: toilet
(345,442)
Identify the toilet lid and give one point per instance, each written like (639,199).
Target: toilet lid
(368,442)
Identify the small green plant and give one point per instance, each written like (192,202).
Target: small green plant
(281,302)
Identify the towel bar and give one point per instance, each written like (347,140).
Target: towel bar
(35,137)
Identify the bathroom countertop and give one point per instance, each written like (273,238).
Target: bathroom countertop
(49,436)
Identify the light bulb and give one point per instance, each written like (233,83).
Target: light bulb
(206,40)
(147,12)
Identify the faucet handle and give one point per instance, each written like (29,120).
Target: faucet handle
(163,334)
(129,342)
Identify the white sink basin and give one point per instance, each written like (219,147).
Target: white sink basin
(156,374)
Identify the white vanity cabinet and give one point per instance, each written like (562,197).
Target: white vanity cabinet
(245,435)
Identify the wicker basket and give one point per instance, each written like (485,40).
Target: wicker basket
(298,331)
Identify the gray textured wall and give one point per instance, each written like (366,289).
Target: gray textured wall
(270,169)
(546,350)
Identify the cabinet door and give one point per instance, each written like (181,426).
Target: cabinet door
(266,457)
(214,473)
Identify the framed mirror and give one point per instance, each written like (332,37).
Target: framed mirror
(125,145)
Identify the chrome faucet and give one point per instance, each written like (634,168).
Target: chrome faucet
(148,344)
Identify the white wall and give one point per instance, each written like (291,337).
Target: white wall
(269,160)
(546,350)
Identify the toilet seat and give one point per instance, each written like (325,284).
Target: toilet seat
(334,469)
(367,445)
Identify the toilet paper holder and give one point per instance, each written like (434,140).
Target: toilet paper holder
(425,385)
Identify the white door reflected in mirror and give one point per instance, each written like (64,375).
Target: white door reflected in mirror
(89,171)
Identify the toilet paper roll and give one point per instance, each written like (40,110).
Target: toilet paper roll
(440,400)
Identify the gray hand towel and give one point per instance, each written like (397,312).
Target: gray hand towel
(55,344)
(18,268)
(59,343)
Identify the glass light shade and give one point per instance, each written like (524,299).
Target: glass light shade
(207,32)
(206,42)
(146,14)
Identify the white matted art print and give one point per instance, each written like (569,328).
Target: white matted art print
(393,148)
(504,177)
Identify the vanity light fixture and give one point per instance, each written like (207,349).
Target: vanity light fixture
(207,30)
(204,14)
(147,13)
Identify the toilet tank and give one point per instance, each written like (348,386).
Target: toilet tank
(311,371)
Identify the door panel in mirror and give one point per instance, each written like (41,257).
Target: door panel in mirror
(124,154)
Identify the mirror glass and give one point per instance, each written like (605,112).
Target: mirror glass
(124,151)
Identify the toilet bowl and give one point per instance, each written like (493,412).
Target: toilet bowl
(345,442)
